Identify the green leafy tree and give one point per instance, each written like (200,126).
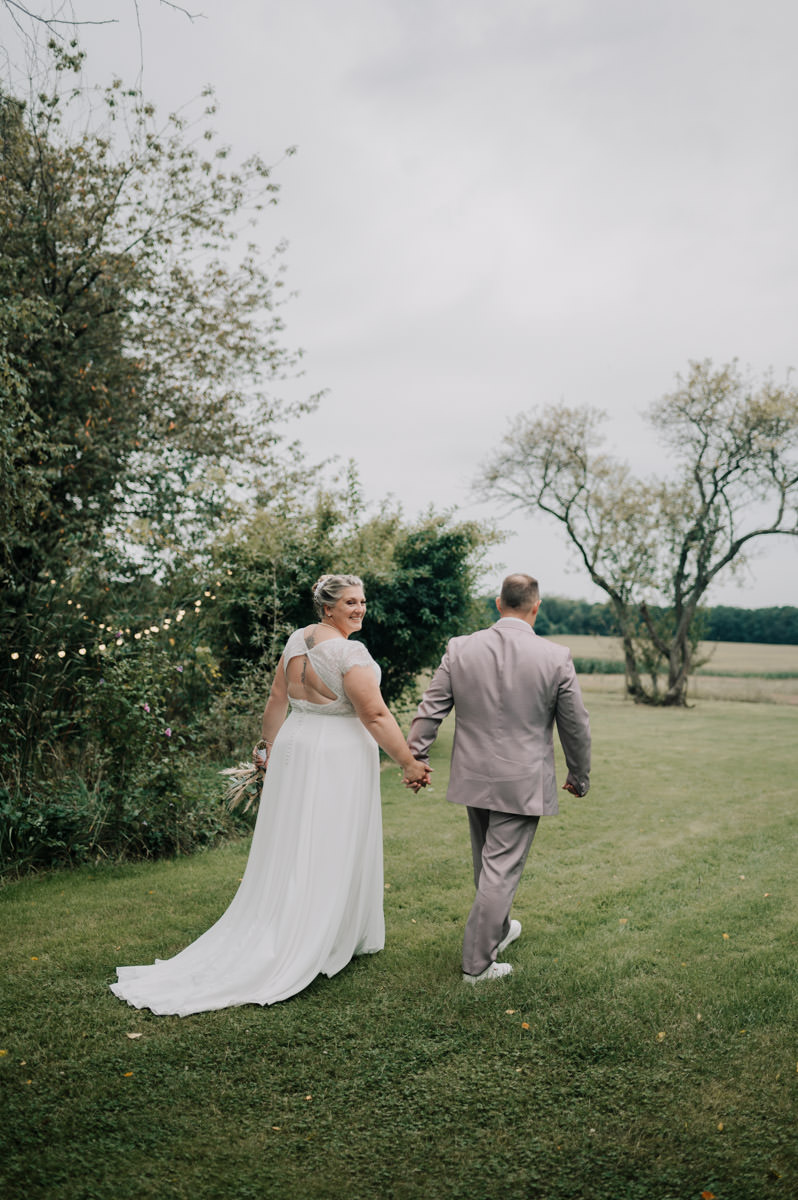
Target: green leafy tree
(656,545)
(140,338)
(141,342)
(419,579)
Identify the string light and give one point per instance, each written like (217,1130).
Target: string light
(119,638)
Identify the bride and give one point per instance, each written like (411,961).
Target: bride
(311,895)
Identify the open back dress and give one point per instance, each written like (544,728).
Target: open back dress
(312,893)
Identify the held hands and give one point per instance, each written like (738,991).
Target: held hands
(416,775)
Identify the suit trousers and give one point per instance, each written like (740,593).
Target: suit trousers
(500,844)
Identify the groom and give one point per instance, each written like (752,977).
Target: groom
(508,688)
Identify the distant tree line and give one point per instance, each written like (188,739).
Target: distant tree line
(775,626)
(723,623)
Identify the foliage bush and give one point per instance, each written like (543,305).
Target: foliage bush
(231,724)
(123,778)
(598,666)
(63,822)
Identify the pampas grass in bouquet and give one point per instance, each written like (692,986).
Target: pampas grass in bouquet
(245,781)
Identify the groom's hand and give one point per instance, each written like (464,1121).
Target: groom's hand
(415,785)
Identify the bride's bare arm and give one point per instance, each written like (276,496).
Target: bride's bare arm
(363,690)
(276,709)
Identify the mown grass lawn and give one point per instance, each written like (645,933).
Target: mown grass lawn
(644,1049)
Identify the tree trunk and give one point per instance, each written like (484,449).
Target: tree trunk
(680,662)
(634,684)
(676,695)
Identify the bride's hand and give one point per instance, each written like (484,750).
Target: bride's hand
(260,756)
(416,774)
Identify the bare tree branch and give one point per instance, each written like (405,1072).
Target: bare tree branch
(15,8)
(49,22)
(179,8)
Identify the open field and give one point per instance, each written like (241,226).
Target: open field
(644,1049)
(733,670)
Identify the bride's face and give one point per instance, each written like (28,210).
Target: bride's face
(348,611)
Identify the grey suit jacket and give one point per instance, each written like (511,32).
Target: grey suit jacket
(508,688)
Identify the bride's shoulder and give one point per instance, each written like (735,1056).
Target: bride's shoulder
(356,655)
(294,644)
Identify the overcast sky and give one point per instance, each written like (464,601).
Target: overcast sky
(497,204)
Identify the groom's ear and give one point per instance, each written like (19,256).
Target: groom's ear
(498,603)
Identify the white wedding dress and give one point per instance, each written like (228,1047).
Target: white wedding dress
(312,893)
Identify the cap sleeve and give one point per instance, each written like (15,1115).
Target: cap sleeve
(294,646)
(355,655)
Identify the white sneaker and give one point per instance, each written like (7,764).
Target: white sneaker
(494,971)
(512,933)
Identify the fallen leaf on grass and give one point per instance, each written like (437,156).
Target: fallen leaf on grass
(660,1037)
(725,937)
(127,1074)
(623,920)
(525,1024)
(707,1196)
(509,1011)
(132,1036)
(720,1127)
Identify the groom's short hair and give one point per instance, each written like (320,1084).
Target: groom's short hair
(520,592)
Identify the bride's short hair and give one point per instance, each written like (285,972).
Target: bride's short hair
(330,588)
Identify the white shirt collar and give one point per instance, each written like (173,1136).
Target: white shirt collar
(515,621)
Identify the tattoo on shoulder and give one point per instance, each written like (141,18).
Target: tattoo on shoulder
(310,641)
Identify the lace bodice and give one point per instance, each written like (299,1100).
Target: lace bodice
(331,659)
